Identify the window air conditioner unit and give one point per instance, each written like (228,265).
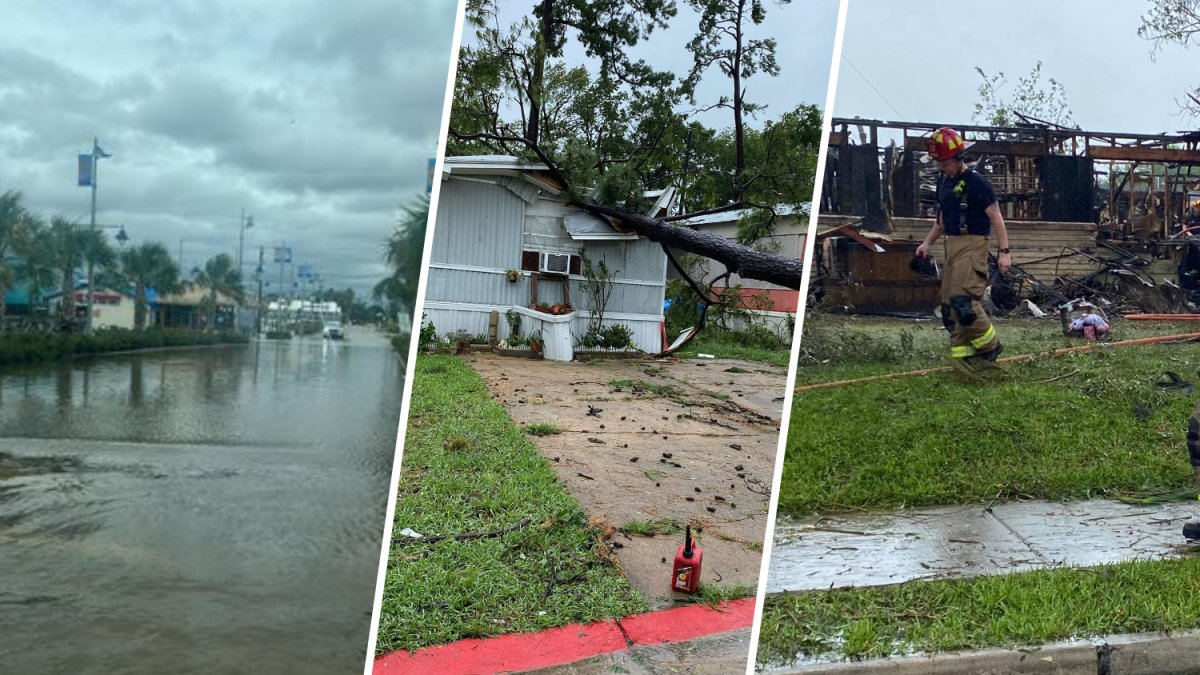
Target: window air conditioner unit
(555,263)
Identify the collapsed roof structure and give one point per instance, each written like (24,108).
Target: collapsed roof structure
(1090,214)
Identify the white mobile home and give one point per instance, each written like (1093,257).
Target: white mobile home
(505,239)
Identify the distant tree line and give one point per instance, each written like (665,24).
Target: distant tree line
(47,255)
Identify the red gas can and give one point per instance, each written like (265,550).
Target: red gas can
(686,574)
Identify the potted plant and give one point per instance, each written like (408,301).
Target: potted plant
(513,275)
(535,341)
(463,341)
(514,323)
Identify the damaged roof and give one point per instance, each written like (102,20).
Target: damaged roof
(803,209)
(583,226)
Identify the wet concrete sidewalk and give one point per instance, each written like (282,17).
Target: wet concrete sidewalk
(676,441)
(967,541)
(719,654)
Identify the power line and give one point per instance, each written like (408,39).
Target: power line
(864,77)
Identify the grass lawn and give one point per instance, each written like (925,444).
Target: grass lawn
(734,345)
(467,468)
(1013,610)
(842,348)
(1066,427)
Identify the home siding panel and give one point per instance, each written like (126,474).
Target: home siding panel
(479,225)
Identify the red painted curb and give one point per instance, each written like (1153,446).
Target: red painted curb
(687,623)
(506,653)
(574,642)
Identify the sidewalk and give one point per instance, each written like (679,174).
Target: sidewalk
(663,635)
(968,541)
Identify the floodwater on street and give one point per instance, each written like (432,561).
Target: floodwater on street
(211,510)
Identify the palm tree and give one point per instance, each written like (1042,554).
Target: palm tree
(38,267)
(220,275)
(148,266)
(15,223)
(96,253)
(65,242)
(402,252)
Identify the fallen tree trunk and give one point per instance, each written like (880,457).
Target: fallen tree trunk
(737,258)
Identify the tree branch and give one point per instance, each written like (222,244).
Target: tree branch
(737,258)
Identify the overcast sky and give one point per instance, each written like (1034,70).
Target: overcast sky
(803,30)
(317,117)
(921,58)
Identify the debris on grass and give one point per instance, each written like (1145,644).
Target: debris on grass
(542,429)
(1009,611)
(652,528)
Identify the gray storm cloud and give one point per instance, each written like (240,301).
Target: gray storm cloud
(317,117)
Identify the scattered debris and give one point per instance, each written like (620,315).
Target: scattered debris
(467,536)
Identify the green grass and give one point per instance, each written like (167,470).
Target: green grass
(715,594)
(542,429)
(1013,610)
(734,346)
(1102,428)
(651,528)
(639,387)
(468,468)
(841,348)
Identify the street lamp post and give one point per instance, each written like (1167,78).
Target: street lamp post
(246,223)
(97,155)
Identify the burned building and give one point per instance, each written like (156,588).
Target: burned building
(1100,215)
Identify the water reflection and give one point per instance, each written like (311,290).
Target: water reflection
(215,510)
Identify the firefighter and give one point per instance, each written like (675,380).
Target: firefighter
(967,214)
(1191,220)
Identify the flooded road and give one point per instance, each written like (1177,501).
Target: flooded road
(201,511)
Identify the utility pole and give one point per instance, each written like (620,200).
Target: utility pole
(259,274)
(246,222)
(90,177)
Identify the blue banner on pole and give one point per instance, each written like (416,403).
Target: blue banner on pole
(85,170)
(429,175)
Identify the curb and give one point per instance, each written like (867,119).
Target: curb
(1137,654)
(566,644)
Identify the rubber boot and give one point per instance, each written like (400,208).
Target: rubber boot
(965,368)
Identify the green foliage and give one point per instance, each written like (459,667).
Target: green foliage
(721,39)
(514,322)
(18,348)
(612,336)
(597,286)
(1022,610)
(1030,97)
(219,276)
(147,266)
(715,594)
(403,252)
(761,345)
(651,528)
(1048,431)
(1174,22)
(428,333)
(516,66)
(542,429)
(439,592)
